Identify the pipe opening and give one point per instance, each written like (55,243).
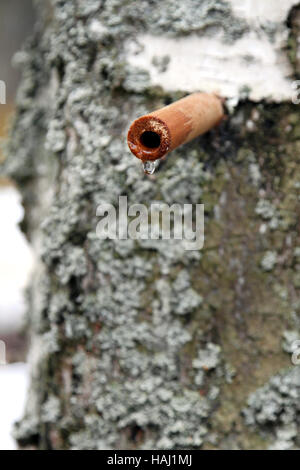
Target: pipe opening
(150,139)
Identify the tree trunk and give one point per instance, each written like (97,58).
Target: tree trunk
(141,343)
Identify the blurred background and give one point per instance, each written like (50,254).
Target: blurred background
(16,259)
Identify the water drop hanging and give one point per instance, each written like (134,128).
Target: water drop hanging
(149,167)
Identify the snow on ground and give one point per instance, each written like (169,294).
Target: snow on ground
(13,387)
(16,261)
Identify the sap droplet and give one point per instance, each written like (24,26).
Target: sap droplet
(149,167)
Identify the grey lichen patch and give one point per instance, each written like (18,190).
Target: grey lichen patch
(150,402)
(173,18)
(51,410)
(207,359)
(88,7)
(291,339)
(144,352)
(269,260)
(275,409)
(136,80)
(74,264)
(255,173)
(56,136)
(27,430)
(184,298)
(269,213)
(154,404)
(181,177)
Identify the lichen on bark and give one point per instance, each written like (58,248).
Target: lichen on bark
(140,343)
